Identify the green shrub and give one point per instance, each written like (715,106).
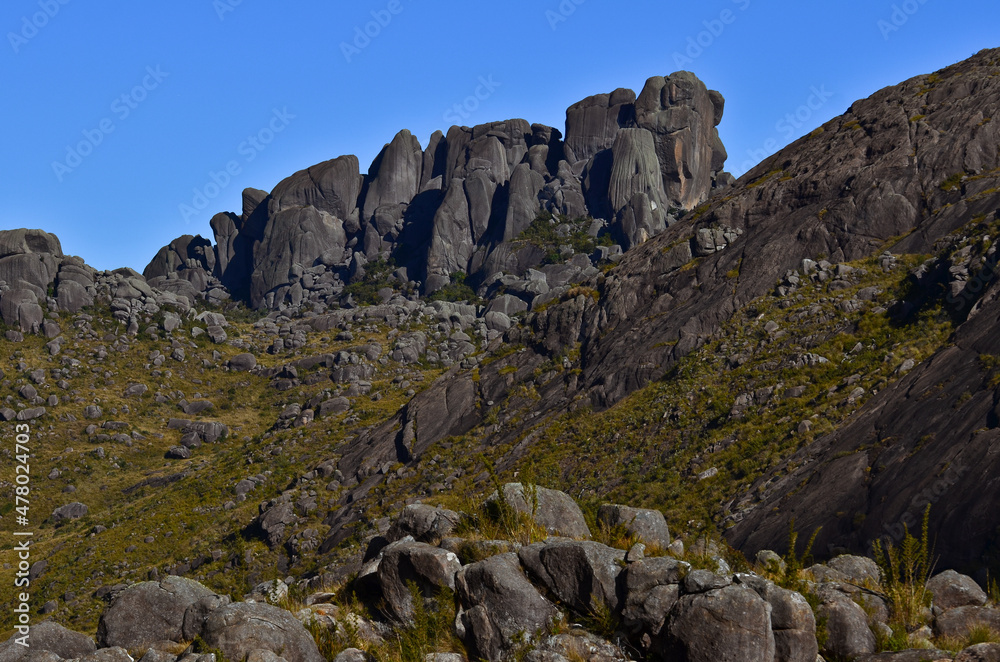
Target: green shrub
(905,571)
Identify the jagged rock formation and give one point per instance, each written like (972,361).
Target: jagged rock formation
(917,160)
(35,273)
(455,206)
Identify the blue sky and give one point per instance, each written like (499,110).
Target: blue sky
(162,98)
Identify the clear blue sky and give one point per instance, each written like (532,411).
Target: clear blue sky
(172,91)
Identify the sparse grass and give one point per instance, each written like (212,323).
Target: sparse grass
(186,517)
(953,183)
(978,633)
(617,536)
(456,290)
(639,451)
(549,233)
(764,178)
(432,631)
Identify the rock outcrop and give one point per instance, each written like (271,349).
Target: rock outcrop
(457,205)
(504,605)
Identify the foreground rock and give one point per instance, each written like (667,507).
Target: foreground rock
(145,613)
(500,607)
(241,628)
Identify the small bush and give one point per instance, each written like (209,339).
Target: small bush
(905,571)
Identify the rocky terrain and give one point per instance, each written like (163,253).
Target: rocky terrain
(325,434)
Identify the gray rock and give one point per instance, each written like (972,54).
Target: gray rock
(149,612)
(857,569)
(70,511)
(979,653)
(650,526)
(48,636)
(793,623)
(334,406)
(555,511)
(31,413)
(951,589)
(263,655)
(682,115)
(500,607)
(295,237)
(351,655)
(430,568)
(576,646)
(593,123)
(635,187)
(237,629)
(702,581)
(731,623)
(135,390)
(243,362)
(582,574)
(424,523)
(273,520)
(178,453)
(111,654)
(154,655)
(848,634)
(651,590)
(956,623)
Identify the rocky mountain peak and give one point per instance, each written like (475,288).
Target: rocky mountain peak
(456,206)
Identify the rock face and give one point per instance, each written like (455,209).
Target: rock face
(731,623)
(592,124)
(456,205)
(152,611)
(951,589)
(553,510)
(51,637)
(954,473)
(499,606)
(430,568)
(650,526)
(240,628)
(682,114)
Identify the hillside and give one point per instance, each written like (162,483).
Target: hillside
(809,347)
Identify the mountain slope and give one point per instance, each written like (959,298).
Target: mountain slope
(898,171)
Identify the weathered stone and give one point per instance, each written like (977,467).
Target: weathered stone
(47,636)
(237,629)
(70,511)
(650,526)
(425,523)
(951,589)
(500,607)
(149,612)
(727,624)
(555,511)
(430,568)
(582,574)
